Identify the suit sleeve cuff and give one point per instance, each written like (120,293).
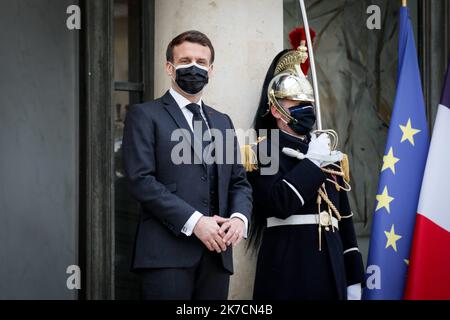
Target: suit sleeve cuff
(243,218)
(189,226)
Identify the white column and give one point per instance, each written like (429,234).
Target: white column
(246,36)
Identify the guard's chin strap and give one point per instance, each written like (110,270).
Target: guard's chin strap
(285,121)
(281,109)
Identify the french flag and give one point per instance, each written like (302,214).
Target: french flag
(429,270)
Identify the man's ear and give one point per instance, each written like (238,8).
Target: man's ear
(211,71)
(170,70)
(273,110)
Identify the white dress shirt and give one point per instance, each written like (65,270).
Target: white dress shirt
(189,226)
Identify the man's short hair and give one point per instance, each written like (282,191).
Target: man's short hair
(189,36)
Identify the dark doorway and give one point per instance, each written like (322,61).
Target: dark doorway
(117,69)
(133,25)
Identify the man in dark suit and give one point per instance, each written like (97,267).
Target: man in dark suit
(192,212)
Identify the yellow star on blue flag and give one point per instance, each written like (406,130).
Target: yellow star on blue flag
(389,161)
(408,132)
(392,238)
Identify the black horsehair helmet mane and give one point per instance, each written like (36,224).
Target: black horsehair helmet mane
(263,120)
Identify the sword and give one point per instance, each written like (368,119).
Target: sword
(312,63)
(332,133)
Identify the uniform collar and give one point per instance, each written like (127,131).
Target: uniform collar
(294,142)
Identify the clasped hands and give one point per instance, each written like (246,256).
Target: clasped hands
(217,233)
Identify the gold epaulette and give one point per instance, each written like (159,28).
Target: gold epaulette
(346,168)
(249,157)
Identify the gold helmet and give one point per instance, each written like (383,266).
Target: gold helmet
(289,81)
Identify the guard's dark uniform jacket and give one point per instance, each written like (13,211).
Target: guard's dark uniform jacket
(290,265)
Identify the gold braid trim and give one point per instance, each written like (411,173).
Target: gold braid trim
(330,204)
(345,169)
(344,172)
(337,173)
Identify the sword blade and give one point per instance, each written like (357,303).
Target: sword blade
(312,63)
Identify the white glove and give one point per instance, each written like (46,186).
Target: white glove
(354,292)
(319,148)
(334,157)
(318,152)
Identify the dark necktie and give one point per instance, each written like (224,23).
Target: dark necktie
(196,120)
(208,152)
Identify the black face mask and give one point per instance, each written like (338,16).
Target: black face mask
(305,118)
(191,78)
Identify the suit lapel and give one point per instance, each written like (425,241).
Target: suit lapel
(175,112)
(210,116)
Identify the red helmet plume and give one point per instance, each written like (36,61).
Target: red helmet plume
(296,36)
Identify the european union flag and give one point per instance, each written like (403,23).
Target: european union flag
(401,177)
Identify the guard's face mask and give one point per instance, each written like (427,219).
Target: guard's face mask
(304,118)
(191,78)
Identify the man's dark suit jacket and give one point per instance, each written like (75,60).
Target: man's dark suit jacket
(170,193)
